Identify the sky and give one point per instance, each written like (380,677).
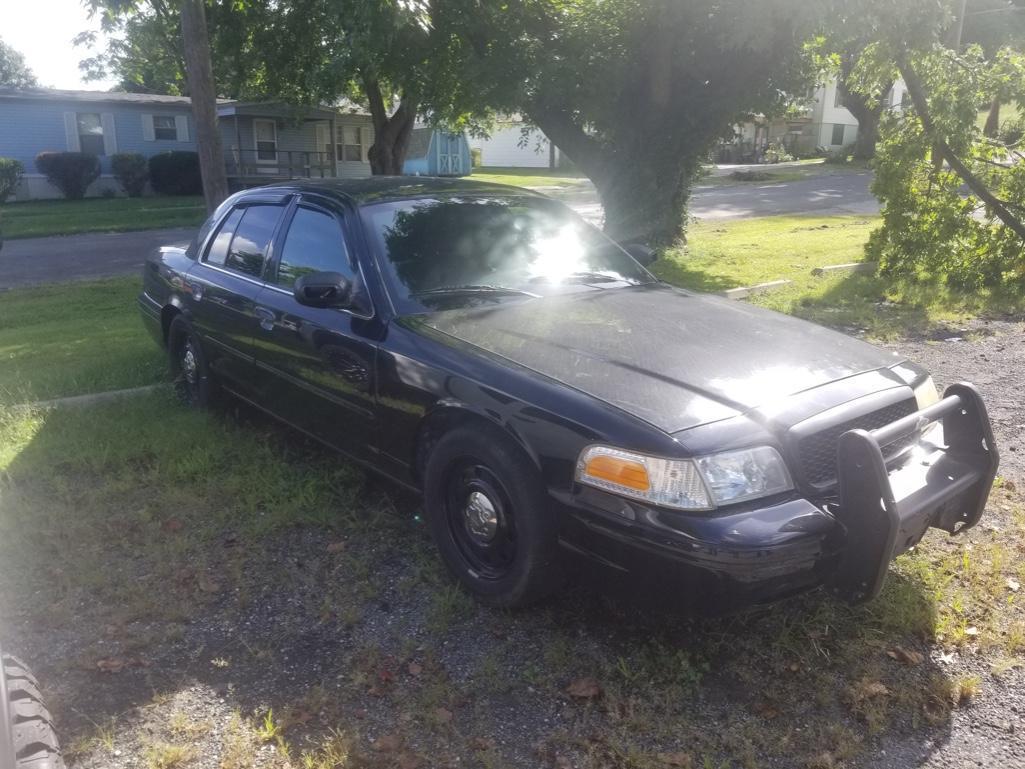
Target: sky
(42,31)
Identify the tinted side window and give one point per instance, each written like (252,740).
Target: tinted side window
(314,244)
(218,250)
(249,246)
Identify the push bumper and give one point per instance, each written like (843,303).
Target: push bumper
(883,513)
(766,552)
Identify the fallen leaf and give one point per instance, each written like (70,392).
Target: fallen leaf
(388,743)
(972,631)
(677,759)
(336,547)
(172,525)
(584,689)
(482,743)
(207,584)
(385,675)
(908,657)
(1013,585)
(443,715)
(111,665)
(415,668)
(766,709)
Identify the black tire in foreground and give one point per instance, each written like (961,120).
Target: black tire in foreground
(489,514)
(191,374)
(31,742)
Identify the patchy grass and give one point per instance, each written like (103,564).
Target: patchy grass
(724,255)
(529,177)
(769,173)
(146,548)
(34,219)
(74,338)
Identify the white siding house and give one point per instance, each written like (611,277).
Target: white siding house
(510,146)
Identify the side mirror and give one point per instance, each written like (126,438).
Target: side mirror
(323,289)
(641,252)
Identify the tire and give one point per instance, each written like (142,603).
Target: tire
(490,517)
(192,380)
(31,727)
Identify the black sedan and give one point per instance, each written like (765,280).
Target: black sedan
(546,393)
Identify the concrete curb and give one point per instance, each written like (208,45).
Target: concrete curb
(89,399)
(745,291)
(852,267)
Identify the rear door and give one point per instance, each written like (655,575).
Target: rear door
(224,286)
(316,366)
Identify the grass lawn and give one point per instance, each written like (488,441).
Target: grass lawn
(724,255)
(776,174)
(66,217)
(73,338)
(529,177)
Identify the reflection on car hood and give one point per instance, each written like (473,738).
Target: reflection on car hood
(673,359)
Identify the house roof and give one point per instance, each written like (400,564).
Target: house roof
(98,97)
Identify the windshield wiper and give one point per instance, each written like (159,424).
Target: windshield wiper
(457,290)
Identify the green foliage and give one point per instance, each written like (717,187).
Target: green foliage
(11,171)
(777,153)
(13,70)
(70,172)
(175,173)
(933,230)
(131,171)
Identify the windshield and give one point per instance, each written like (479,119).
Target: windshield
(479,250)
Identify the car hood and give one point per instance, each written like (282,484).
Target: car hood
(669,357)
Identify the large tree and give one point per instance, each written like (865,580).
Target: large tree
(13,70)
(636,92)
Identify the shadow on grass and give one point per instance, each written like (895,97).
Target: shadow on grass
(218,584)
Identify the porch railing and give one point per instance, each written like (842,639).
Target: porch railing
(288,164)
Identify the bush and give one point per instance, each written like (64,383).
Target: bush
(10,174)
(131,171)
(840,157)
(475,155)
(777,153)
(70,172)
(175,173)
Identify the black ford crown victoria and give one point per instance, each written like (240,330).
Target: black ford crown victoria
(545,392)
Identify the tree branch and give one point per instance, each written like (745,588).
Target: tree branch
(563,131)
(918,98)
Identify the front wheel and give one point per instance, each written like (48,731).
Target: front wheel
(33,741)
(489,515)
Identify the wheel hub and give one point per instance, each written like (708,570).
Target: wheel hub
(481,517)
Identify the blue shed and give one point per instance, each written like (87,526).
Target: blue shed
(433,152)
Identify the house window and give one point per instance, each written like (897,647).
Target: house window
(350,148)
(90,133)
(164,128)
(266,134)
(837,137)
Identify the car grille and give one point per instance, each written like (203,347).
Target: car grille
(818,451)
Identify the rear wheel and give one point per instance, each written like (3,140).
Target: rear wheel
(191,376)
(489,514)
(33,737)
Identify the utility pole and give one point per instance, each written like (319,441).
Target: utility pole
(959,26)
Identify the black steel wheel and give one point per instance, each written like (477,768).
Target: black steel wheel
(190,374)
(490,516)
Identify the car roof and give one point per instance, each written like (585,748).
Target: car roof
(381,189)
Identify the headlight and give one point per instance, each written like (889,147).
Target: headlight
(926,393)
(685,484)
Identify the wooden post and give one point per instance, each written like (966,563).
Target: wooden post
(200,77)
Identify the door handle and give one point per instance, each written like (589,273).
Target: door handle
(266,318)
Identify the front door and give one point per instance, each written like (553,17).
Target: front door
(223,288)
(315,366)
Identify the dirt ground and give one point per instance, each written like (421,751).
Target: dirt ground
(190,644)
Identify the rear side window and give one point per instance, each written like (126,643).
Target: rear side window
(313,244)
(248,248)
(218,250)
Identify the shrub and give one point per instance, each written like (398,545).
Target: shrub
(10,174)
(70,172)
(175,173)
(131,171)
(475,155)
(839,157)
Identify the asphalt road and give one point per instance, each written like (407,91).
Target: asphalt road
(77,257)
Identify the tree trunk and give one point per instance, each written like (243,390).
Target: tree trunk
(199,72)
(391,132)
(864,110)
(992,127)
(944,152)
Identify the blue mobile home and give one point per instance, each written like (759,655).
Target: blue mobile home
(433,152)
(262,141)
